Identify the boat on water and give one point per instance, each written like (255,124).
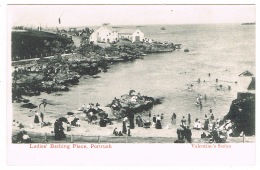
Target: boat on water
(163,28)
(177,46)
(249,23)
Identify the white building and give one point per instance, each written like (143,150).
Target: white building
(244,81)
(105,34)
(134,35)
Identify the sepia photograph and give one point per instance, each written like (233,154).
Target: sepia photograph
(98,75)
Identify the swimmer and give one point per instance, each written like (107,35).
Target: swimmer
(190,87)
(214,99)
(197,100)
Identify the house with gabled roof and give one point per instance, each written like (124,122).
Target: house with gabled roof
(134,35)
(104,34)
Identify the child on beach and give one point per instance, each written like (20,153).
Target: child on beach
(120,133)
(162,116)
(158,122)
(115,132)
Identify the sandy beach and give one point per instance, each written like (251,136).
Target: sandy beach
(90,133)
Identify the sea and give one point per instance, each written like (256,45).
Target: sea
(223,50)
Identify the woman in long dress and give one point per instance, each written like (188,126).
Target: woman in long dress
(124,127)
(36,117)
(174,118)
(189,119)
(154,119)
(158,122)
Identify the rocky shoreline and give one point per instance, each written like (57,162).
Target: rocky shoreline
(58,73)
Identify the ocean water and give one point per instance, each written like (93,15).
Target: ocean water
(223,50)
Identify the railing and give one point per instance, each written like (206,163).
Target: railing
(71,138)
(36,56)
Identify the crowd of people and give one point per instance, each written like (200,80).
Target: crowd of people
(22,137)
(125,130)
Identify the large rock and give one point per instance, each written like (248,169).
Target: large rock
(242,114)
(134,103)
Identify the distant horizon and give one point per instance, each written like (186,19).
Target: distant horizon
(136,25)
(95,15)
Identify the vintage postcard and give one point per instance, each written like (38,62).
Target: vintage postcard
(96,80)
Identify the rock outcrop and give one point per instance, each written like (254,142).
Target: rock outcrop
(242,114)
(132,103)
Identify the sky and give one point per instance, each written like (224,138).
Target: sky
(94,15)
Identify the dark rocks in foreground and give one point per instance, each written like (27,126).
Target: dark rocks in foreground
(242,114)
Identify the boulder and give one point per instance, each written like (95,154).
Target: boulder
(242,114)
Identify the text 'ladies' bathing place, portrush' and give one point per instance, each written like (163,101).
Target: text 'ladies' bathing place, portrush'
(69,146)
